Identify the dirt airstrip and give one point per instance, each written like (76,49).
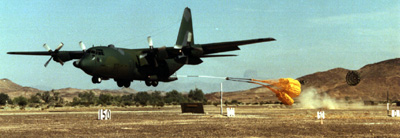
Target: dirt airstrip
(250,121)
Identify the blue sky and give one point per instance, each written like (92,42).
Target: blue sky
(312,36)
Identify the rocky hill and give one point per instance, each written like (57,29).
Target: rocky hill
(13,89)
(376,80)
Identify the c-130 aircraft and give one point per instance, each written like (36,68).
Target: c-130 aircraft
(150,65)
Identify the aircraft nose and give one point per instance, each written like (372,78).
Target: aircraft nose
(77,64)
(85,64)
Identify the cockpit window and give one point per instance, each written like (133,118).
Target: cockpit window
(99,52)
(96,51)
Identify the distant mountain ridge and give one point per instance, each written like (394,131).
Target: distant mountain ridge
(14,90)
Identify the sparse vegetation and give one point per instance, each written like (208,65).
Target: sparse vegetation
(105,99)
(174,97)
(4,98)
(226,103)
(52,99)
(45,96)
(234,102)
(21,101)
(156,99)
(34,99)
(142,98)
(128,100)
(197,95)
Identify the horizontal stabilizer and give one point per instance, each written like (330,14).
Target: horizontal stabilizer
(230,46)
(208,56)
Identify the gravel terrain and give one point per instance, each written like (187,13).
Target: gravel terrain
(250,121)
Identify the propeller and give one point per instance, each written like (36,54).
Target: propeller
(189,54)
(189,39)
(154,54)
(187,43)
(59,46)
(151,53)
(82,45)
(181,50)
(47,47)
(150,41)
(53,54)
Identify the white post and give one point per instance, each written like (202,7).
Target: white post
(230,112)
(387,101)
(100,115)
(222,112)
(393,113)
(104,114)
(321,115)
(388,108)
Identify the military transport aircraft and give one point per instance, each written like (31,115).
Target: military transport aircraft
(150,65)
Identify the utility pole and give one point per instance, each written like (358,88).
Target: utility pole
(222,112)
(387,100)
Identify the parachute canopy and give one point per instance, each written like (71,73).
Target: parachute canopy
(285,88)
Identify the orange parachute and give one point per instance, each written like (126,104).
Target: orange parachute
(285,88)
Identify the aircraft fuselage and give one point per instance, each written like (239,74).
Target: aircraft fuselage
(125,65)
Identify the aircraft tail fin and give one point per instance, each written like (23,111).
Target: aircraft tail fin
(185,35)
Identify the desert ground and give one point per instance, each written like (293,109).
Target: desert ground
(250,121)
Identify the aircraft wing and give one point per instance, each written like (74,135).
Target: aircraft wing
(39,53)
(71,54)
(230,46)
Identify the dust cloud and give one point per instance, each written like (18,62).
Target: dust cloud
(310,99)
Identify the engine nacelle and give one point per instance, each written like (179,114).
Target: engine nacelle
(162,53)
(196,52)
(63,56)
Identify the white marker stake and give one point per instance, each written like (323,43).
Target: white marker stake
(104,114)
(230,112)
(321,115)
(99,115)
(393,113)
(388,108)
